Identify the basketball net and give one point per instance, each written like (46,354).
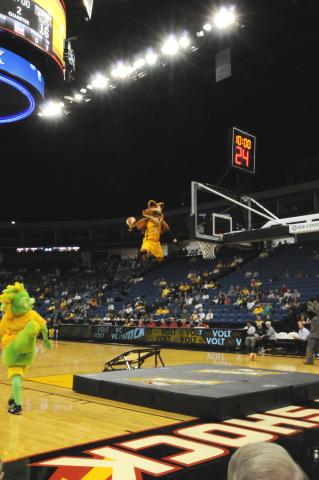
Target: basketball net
(208,249)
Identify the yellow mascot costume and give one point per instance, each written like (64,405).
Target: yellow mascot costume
(19,328)
(152,225)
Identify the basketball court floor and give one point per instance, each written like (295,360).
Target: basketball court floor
(57,418)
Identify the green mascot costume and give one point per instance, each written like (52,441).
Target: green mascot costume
(19,328)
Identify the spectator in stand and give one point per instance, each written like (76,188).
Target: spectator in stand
(296,295)
(263,461)
(111,307)
(205,295)
(189,300)
(267,311)
(184,323)
(162,311)
(258,310)
(128,309)
(151,323)
(165,292)
(172,323)
(250,304)
(209,316)
(231,291)
(248,274)
(271,295)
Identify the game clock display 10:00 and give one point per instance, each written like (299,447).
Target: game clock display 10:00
(243,149)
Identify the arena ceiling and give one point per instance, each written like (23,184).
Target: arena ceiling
(150,138)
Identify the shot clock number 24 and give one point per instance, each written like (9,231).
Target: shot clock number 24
(243,150)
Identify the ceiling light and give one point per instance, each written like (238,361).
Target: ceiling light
(140,63)
(170,46)
(184,41)
(122,71)
(52,109)
(99,82)
(151,58)
(224,17)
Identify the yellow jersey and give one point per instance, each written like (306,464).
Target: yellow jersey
(153,231)
(10,326)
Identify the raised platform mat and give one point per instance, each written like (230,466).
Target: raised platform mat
(202,390)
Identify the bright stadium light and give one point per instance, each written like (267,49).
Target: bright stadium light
(78,97)
(184,41)
(83,90)
(99,82)
(122,71)
(225,17)
(207,27)
(51,109)
(151,57)
(139,63)
(170,46)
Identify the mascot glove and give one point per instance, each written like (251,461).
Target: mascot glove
(47,344)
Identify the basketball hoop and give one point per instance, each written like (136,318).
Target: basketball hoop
(208,249)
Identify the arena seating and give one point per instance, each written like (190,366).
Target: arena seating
(84,295)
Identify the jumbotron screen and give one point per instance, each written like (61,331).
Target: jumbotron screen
(41,22)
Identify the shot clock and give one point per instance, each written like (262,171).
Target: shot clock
(243,149)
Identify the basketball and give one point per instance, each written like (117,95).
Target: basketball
(130,222)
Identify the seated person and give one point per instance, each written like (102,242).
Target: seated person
(263,461)
(303,334)
(151,323)
(172,323)
(250,340)
(268,339)
(258,310)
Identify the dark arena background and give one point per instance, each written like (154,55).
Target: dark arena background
(160,203)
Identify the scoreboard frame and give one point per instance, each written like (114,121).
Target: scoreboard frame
(243,151)
(41,23)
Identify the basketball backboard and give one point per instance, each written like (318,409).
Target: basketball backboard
(206,223)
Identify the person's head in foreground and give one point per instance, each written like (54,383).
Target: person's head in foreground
(263,461)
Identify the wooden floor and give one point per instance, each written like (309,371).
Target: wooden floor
(55,417)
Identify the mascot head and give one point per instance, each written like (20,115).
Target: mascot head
(154,211)
(15,300)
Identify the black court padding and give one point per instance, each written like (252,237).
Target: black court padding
(187,389)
